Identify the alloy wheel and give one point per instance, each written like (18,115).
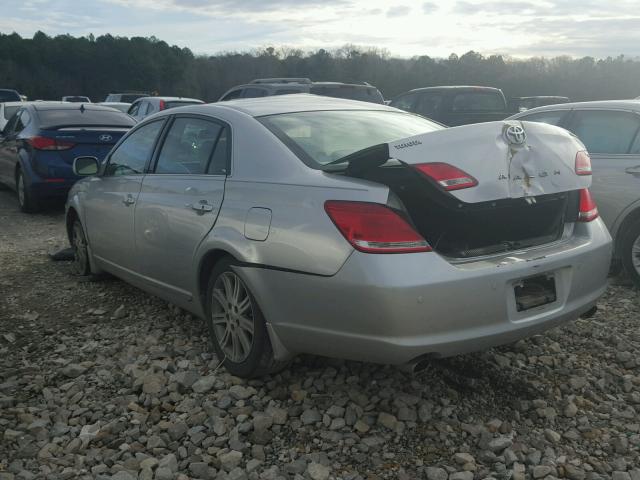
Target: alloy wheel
(635,254)
(80,252)
(21,193)
(232,315)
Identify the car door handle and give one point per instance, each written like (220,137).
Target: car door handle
(128,200)
(633,170)
(201,207)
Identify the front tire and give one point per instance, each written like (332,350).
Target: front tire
(237,328)
(81,265)
(630,252)
(26,199)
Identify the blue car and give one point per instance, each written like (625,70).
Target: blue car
(40,141)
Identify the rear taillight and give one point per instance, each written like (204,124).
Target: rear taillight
(588,209)
(583,163)
(162,105)
(374,228)
(46,143)
(447,176)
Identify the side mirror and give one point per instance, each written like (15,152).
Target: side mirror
(85,166)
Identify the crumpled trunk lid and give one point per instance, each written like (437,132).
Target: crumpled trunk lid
(509,159)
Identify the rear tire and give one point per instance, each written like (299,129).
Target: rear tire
(26,198)
(81,265)
(630,252)
(237,328)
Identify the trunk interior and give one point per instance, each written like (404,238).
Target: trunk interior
(462,230)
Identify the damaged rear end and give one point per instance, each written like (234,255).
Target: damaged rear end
(484,189)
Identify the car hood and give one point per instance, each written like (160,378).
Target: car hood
(509,159)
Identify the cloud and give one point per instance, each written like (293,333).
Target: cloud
(399,11)
(429,7)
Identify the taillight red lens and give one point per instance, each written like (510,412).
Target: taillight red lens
(447,176)
(162,105)
(46,143)
(583,163)
(374,228)
(588,208)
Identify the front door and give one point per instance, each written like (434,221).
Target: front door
(180,200)
(9,150)
(111,198)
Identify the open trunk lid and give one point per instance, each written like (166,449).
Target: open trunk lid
(527,190)
(508,159)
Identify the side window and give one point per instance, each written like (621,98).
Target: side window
(405,102)
(552,117)
(232,95)
(606,132)
(133,109)
(429,105)
(142,111)
(10,127)
(219,164)
(22,121)
(188,146)
(151,108)
(477,102)
(132,154)
(254,92)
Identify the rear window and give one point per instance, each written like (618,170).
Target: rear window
(478,102)
(179,104)
(88,117)
(319,138)
(9,96)
(351,92)
(9,111)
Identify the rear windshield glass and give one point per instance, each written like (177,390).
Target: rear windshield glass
(478,102)
(364,94)
(9,96)
(9,111)
(179,104)
(88,117)
(319,138)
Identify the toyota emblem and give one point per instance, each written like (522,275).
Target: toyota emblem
(105,138)
(515,135)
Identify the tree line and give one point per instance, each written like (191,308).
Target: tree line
(45,67)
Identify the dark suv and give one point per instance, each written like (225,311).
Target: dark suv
(264,87)
(455,105)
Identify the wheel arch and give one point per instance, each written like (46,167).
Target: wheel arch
(631,216)
(71,217)
(206,264)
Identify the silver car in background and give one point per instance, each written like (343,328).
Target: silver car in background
(611,132)
(303,224)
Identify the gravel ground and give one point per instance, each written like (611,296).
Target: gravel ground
(100,380)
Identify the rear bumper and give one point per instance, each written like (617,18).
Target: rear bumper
(395,308)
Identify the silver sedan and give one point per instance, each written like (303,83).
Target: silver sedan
(303,224)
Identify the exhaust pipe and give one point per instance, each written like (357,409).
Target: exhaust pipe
(416,365)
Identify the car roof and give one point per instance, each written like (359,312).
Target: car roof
(172,99)
(13,104)
(296,102)
(603,104)
(456,87)
(285,85)
(43,106)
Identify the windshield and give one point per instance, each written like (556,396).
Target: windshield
(9,96)
(319,138)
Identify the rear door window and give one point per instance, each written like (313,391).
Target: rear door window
(606,132)
(188,146)
(477,102)
(132,155)
(254,93)
(552,117)
(232,95)
(428,104)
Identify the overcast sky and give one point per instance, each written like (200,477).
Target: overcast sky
(520,28)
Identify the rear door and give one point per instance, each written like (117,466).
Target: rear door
(9,149)
(111,197)
(612,140)
(180,201)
